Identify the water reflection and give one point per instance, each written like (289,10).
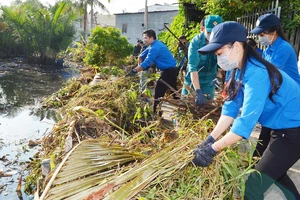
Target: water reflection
(22,88)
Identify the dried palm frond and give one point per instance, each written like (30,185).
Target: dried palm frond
(91,163)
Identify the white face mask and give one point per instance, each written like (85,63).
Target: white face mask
(225,63)
(207,35)
(264,40)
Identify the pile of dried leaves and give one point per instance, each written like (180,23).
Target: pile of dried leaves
(121,150)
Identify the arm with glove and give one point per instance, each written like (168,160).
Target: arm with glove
(206,151)
(134,71)
(200,99)
(203,156)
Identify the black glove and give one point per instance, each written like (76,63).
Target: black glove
(200,98)
(209,140)
(217,82)
(204,156)
(131,73)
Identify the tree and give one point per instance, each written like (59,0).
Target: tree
(83,6)
(42,32)
(107,46)
(228,10)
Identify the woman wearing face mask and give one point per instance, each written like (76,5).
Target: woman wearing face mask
(201,69)
(266,95)
(281,54)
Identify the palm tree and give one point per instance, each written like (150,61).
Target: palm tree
(83,5)
(42,32)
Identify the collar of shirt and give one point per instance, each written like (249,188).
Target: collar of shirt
(155,41)
(277,42)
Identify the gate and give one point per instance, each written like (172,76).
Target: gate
(249,21)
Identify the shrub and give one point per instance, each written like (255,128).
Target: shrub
(107,46)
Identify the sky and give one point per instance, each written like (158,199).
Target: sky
(115,6)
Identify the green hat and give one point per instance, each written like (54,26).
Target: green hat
(211,21)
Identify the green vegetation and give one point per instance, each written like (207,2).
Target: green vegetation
(122,151)
(228,10)
(107,46)
(132,153)
(83,7)
(37,32)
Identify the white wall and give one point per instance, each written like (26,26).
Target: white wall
(134,23)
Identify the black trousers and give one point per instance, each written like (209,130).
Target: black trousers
(264,139)
(170,77)
(281,154)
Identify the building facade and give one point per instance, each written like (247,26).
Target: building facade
(132,25)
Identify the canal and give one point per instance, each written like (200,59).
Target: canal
(22,120)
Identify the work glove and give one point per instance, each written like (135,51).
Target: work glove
(131,73)
(217,82)
(200,98)
(204,156)
(207,141)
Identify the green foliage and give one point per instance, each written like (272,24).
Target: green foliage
(177,27)
(108,70)
(106,46)
(76,54)
(231,9)
(228,10)
(290,14)
(40,32)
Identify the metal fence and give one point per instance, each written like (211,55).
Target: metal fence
(249,21)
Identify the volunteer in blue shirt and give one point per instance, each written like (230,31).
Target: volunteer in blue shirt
(266,95)
(201,69)
(281,54)
(160,55)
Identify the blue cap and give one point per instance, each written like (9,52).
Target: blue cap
(211,21)
(224,33)
(264,22)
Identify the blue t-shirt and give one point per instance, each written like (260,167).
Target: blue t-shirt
(159,53)
(144,53)
(256,105)
(282,55)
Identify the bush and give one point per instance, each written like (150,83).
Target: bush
(107,46)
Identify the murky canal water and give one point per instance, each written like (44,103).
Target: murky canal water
(22,87)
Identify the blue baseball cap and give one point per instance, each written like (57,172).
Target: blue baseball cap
(225,33)
(264,22)
(211,21)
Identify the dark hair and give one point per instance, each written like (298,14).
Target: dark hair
(182,37)
(279,31)
(150,33)
(251,42)
(275,76)
(202,22)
